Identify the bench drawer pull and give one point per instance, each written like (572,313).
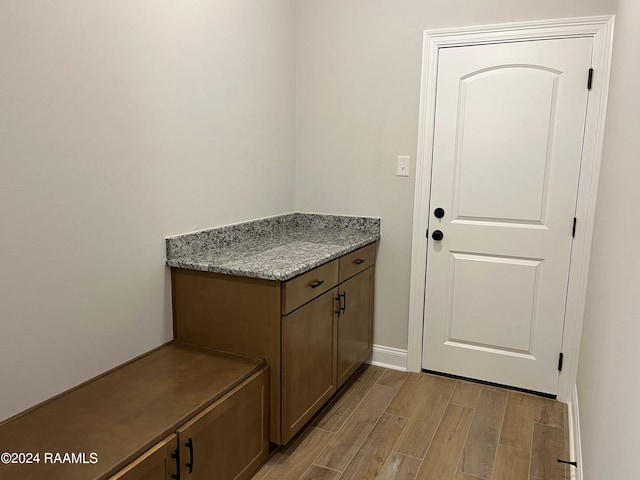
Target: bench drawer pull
(189,444)
(176,455)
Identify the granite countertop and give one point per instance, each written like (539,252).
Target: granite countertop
(274,248)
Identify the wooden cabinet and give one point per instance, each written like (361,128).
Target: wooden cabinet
(293,325)
(354,324)
(228,440)
(135,417)
(159,463)
(308,361)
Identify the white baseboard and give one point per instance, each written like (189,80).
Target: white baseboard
(575,447)
(389,357)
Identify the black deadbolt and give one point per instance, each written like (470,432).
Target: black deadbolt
(437,235)
(439,212)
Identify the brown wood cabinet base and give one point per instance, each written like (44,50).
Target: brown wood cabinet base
(136,421)
(314,330)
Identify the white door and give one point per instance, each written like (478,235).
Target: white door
(507,148)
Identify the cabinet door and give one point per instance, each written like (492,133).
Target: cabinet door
(230,439)
(355,323)
(308,361)
(158,463)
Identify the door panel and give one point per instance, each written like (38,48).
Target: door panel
(519,103)
(506,159)
(499,314)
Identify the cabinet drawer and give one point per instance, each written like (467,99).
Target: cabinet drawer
(357,261)
(305,287)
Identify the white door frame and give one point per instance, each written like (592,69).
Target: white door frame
(600,28)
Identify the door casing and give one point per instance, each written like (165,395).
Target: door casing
(600,28)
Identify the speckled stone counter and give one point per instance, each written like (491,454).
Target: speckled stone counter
(274,248)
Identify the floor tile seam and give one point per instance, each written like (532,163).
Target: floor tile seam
(401,383)
(324,430)
(495,454)
(397,416)
(356,406)
(365,437)
(466,439)
(547,425)
(426,452)
(531,457)
(322,466)
(514,448)
(321,451)
(532,422)
(420,465)
(395,444)
(531,443)
(332,435)
(382,412)
(460,405)
(440,423)
(434,431)
(415,407)
(358,449)
(404,454)
(272,466)
(474,477)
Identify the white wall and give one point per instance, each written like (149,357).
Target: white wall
(358,80)
(608,387)
(122,123)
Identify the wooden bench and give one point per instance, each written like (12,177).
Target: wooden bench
(177,412)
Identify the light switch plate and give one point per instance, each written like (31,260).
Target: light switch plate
(403,166)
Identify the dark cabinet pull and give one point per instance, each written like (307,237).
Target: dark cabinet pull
(359,261)
(343,305)
(337,312)
(316,284)
(190,463)
(176,456)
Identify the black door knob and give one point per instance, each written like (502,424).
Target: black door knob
(437,235)
(439,212)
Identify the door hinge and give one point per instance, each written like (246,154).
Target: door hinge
(573,230)
(560,360)
(427,234)
(590,80)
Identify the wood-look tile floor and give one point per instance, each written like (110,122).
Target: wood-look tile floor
(404,426)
